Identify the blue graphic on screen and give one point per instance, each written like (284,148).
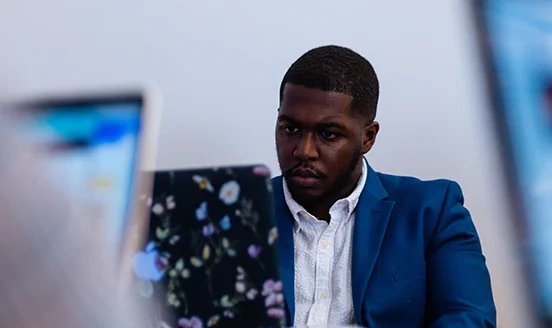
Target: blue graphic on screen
(521,41)
(92,154)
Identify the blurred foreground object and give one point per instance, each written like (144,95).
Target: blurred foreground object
(56,268)
(517,46)
(94,143)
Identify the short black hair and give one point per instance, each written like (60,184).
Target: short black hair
(340,69)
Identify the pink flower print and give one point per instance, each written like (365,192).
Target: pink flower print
(274,299)
(208,230)
(278,286)
(193,322)
(277,313)
(261,170)
(254,251)
(270,300)
(268,287)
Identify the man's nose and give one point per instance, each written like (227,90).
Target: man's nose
(306,149)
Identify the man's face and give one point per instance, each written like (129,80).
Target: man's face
(320,143)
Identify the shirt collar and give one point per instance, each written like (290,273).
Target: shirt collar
(350,201)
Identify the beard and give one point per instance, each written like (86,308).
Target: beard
(345,180)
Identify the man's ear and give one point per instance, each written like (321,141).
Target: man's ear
(370,134)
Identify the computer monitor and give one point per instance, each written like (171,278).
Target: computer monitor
(94,145)
(516,38)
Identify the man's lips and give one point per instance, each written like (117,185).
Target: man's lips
(305,174)
(304,178)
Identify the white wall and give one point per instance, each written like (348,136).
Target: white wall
(220,67)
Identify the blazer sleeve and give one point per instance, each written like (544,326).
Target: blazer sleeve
(458,283)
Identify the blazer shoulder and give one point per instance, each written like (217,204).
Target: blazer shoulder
(438,203)
(277,180)
(418,191)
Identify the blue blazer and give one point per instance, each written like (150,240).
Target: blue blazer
(417,259)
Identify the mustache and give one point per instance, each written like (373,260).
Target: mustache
(304,166)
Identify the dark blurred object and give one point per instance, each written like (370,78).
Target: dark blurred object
(210,258)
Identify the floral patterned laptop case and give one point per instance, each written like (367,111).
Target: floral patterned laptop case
(210,258)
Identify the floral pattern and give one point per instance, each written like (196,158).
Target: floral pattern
(211,250)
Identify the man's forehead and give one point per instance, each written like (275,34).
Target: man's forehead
(304,97)
(309,117)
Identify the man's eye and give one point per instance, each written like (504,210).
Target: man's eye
(328,135)
(290,129)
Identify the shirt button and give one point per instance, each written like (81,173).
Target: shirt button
(325,244)
(323,295)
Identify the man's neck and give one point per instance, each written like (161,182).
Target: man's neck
(321,209)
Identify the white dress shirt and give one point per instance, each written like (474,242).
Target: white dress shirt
(323,257)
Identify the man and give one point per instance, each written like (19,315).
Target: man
(357,246)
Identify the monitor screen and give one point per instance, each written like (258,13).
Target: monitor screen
(91,149)
(518,40)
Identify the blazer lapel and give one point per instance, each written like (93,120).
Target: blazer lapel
(286,253)
(371,219)
(372,216)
